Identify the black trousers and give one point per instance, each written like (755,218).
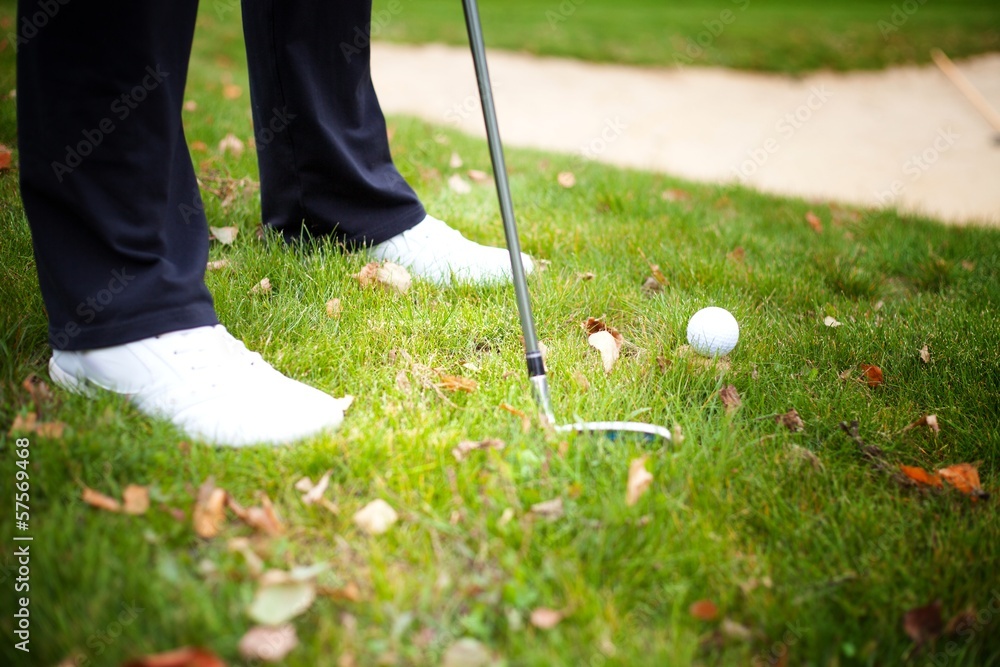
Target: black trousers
(119,231)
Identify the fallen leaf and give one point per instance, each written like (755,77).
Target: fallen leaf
(639,480)
(37,389)
(584,277)
(465,446)
(231,91)
(393,276)
(316,492)
(677,434)
(217,264)
(190,105)
(814,222)
(263,287)
(567,179)
(961,622)
(791,420)
(459,185)
(5,158)
(930,421)
(349,592)
(923,624)
(456,161)
(738,254)
(921,476)
(231,144)
(466,652)
(376,517)
(965,478)
(550,509)
(735,631)
(277,602)
(730,398)
(925,355)
(224,235)
(525,419)
(704,610)
(209,510)
(241,545)
(268,643)
(967,265)
(100,501)
(674,194)
(52,430)
(581,381)
(545,619)
(652,286)
(182,657)
(873,375)
(609,348)
(846,374)
(334,308)
(264,519)
(478,176)
(832,322)
(23,424)
(456,383)
(136,499)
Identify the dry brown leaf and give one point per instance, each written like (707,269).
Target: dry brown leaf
(136,499)
(265,518)
(584,277)
(651,286)
(456,161)
(804,454)
(550,509)
(545,619)
(791,420)
(466,652)
(846,374)
(24,424)
(209,510)
(704,610)
(735,631)
(921,476)
(268,643)
(182,657)
(388,275)
(224,235)
(231,144)
(873,375)
(5,158)
(581,381)
(376,517)
(459,185)
(525,419)
(675,194)
(738,254)
(464,447)
(263,287)
(639,480)
(814,222)
(566,179)
(455,383)
(37,389)
(930,421)
(923,624)
(349,592)
(965,478)
(52,430)
(730,398)
(190,105)
(832,322)
(314,494)
(366,276)
(925,355)
(478,176)
(605,343)
(334,308)
(100,501)
(217,264)
(231,91)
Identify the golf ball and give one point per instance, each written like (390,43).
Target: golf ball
(713,332)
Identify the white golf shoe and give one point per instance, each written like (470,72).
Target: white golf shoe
(207,383)
(434,251)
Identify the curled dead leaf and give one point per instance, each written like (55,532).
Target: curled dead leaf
(545,619)
(925,355)
(791,420)
(466,652)
(639,480)
(550,509)
(209,510)
(182,657)
(136,499)
(231,144)
(459,185)
(832,322)
(652,286)
(231,91)
(456,161)
(387,275)
(873,375)
(930,421)
(704,610)
(814,222)
(268,643)
(921,476)
(730,397)
(584,277)
(923,624)
(5,158)
(456,383)
(314,494)
(965,478)
(525,419)
(566,179)
(263,287)
(464,447)
(477,176)
(376,517)
(100,501)
(334,308)
(217,264)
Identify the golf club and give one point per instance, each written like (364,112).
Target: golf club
(536,366)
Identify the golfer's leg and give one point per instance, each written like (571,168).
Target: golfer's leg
(322,145)
(119,232)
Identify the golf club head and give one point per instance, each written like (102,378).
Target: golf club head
(612,429)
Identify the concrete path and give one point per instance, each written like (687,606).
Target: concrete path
(902,137)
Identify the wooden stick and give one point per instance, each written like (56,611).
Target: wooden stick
(966,88)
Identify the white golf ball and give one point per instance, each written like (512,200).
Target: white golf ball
(713,331)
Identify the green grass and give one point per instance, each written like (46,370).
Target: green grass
(837,554)
(773,35)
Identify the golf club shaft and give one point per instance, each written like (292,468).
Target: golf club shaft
(536,368)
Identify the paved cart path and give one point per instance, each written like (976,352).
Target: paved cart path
(902,137)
